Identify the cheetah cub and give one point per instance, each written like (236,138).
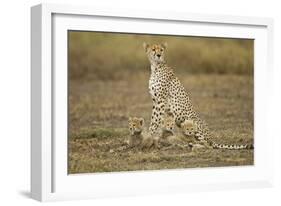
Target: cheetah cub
(189,129)
(168,127)
(136,128)
(137,136)
(168,137)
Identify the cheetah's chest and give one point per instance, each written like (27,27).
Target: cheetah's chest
(153,85)
(158,87)
(157,84)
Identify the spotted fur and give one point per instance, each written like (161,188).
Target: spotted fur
(168,94)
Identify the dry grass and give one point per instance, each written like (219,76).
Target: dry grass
(99,111)
(108,82)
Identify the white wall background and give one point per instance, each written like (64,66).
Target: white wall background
(15,100)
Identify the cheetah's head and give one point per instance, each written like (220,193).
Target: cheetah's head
(189,128)
(169,124)
(155,52)
(135,125)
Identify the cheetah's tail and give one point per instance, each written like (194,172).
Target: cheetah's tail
(231,146)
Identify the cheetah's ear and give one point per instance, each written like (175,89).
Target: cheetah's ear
(141,121)
(145,46)
(164,45)
(130,119)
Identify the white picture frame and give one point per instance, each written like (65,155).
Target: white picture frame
(49,178)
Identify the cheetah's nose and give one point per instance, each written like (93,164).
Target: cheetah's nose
(158,55)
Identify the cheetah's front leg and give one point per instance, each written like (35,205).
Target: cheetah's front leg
(157,116)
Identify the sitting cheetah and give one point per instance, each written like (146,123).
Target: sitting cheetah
(168,137)
(137,136)
(189,128)
(136,128)
(168,126)
(167,92)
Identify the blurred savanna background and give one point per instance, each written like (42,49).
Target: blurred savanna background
(108,83)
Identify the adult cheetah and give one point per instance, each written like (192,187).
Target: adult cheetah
(168,94)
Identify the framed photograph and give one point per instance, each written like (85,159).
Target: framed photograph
(137,102)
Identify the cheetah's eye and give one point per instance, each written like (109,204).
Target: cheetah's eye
(153,49)
(161,50)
